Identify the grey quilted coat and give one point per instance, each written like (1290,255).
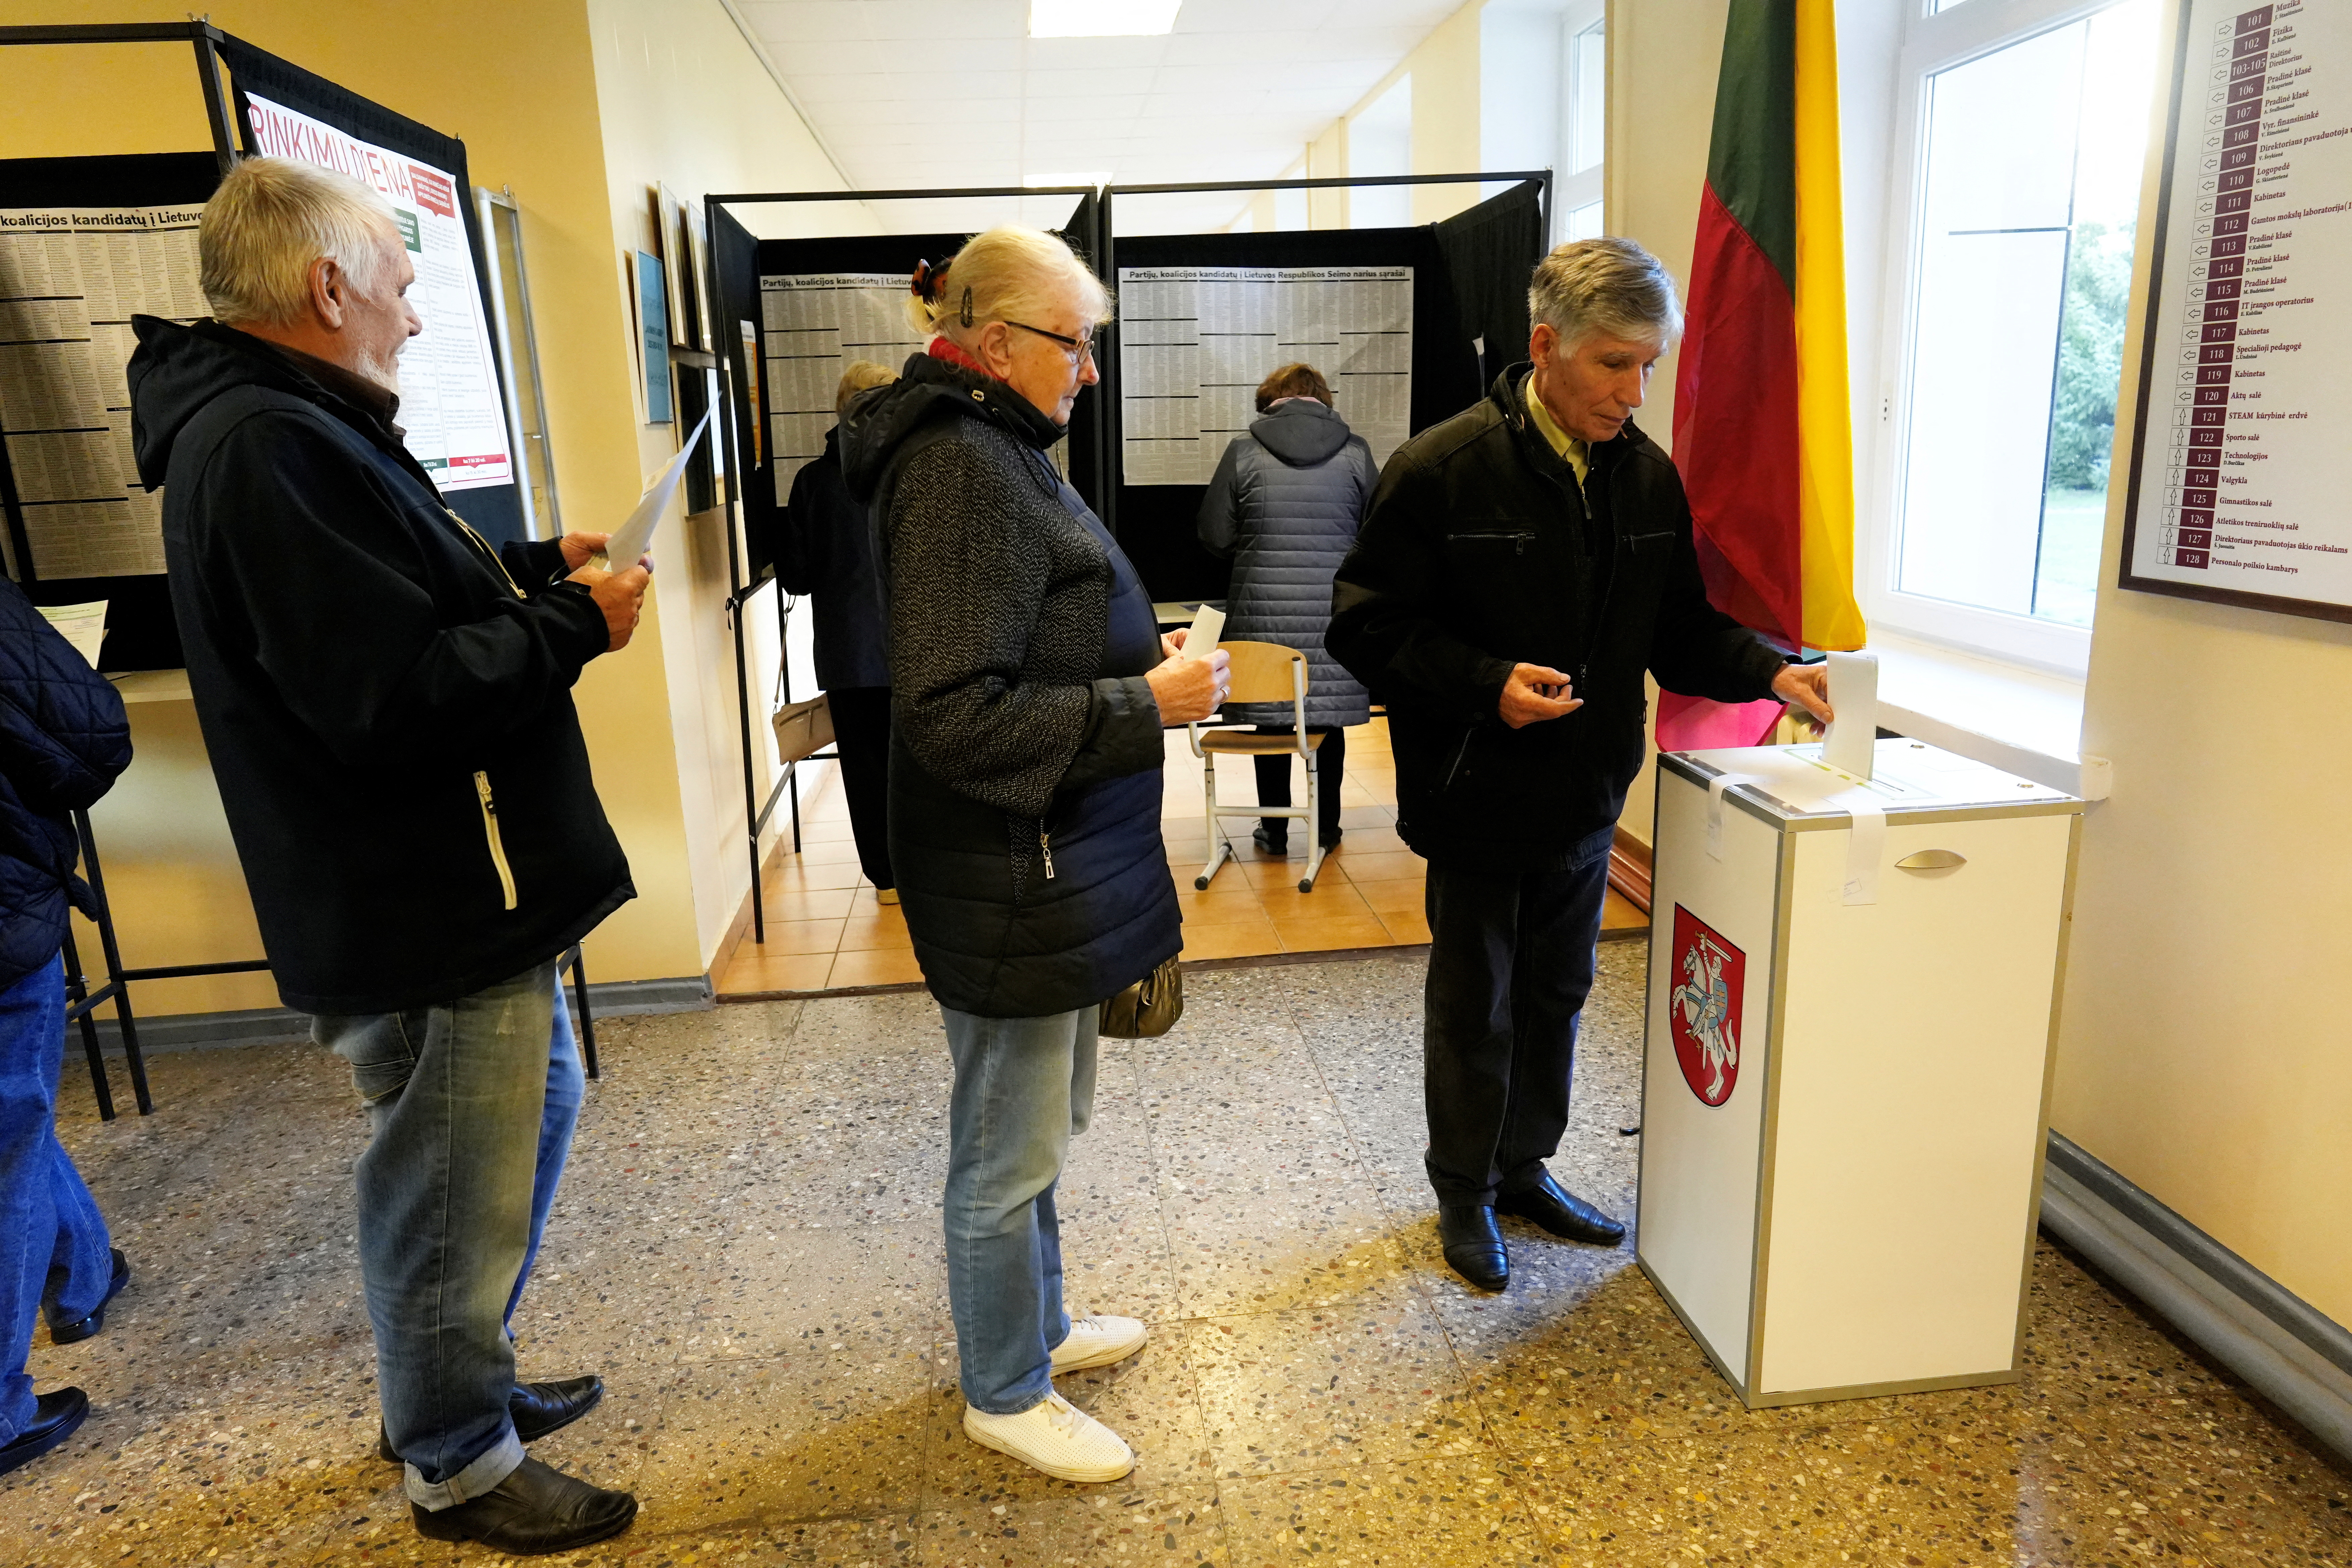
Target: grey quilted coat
(1284,504)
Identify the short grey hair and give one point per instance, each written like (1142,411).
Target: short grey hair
(1611,285)
(269,220)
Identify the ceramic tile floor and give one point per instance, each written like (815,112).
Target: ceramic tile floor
(827,932)
(747,1247)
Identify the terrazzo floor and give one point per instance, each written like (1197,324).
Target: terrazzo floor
(747,1249)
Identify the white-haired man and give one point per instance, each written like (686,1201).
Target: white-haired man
(387,704)
(1522,564)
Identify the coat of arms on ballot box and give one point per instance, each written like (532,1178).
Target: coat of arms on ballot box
(1710,980)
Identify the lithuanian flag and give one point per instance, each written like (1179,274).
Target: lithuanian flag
(1761,429)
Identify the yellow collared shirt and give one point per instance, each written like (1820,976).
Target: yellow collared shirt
(1577,455)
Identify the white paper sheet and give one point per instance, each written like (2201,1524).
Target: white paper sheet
(1195,342)
(1851,744)
(1208,626)
(84,626)
(70,279)
(635,536)
(1715,808)
(814,325)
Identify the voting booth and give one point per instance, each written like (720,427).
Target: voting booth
(1851,986)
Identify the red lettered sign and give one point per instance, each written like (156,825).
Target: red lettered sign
(1710,980)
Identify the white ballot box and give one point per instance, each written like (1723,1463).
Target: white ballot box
(1845,1080)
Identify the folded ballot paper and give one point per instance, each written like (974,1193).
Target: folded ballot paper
(635,536)
(84,626)
(1208,625)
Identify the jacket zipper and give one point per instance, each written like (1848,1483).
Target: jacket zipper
(1045,848)
(490,831)
(484,546)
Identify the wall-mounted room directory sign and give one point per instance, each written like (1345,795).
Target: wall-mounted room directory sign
(2237,488)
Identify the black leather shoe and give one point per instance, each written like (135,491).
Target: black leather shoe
(82,1328)
(1562,1213)
(535,1510)
(538,1409)
(1473,1246)
(1274,844)
(57,1416)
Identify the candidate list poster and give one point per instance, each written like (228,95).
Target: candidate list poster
(449,403)
(2241,481)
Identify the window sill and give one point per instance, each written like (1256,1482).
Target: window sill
(2024,721)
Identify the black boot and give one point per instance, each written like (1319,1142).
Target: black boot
(1562,1213)
(1473,1246)
(57,1416)
(535,1510)
(537,1410)
(1273,841)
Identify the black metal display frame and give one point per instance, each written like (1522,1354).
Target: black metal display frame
(82,999)
(759,811)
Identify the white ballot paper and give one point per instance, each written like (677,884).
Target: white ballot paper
(635,537)
(1852,744)
(1208,625)
(84,626)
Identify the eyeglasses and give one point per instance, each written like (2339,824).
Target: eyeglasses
(1078,351)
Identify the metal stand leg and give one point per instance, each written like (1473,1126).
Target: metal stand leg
(114,967)
(77,992)
(580,1006)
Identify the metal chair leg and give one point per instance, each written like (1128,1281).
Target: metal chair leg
(1313,823)
(580,1007)
(1221,849)
(78,991)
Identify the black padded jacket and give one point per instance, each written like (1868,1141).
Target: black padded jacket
(1480,552)
(1026,743)
(63,739)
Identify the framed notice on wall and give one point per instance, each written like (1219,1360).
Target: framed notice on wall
(2237,488)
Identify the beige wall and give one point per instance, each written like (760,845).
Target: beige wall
(525,96)
(2202,1051)
(685,102)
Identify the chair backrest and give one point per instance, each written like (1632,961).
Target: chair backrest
(1265,672)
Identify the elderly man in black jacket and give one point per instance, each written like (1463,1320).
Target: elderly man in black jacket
(387,703)
(1523,563)
(63,739)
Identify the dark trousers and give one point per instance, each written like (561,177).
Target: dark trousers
(1510,963)
(1273,779)
(861,738)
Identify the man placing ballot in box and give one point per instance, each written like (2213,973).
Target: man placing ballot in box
(1522,565)
(387,702)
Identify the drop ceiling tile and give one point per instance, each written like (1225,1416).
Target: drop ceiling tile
(818,21)
(940,19)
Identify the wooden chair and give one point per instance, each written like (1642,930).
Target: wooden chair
(1261,672)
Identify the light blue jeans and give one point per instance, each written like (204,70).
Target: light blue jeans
(471,1105)
(1024,1088)
(54,1254)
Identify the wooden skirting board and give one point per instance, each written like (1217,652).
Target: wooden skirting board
(1629,869)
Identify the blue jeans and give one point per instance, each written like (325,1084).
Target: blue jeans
(1024,1088)
(54,1251)
(1511,959)
(471,1105)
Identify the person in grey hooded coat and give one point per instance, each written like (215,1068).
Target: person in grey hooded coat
(1285,502)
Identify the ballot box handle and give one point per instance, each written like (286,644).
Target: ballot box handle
(1931,861)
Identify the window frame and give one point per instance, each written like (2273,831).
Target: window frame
(1933,42)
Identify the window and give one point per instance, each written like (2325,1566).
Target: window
(1543,98)
(1380,142)
(2024,194)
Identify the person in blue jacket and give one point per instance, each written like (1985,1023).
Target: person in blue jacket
(63,739)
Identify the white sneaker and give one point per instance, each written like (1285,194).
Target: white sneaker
(1098,1341)
(1057,1437)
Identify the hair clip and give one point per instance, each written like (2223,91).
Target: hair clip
(925,284)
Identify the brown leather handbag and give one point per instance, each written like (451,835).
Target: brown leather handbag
(1148,1008)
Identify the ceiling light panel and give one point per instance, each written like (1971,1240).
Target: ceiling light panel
(1102,18)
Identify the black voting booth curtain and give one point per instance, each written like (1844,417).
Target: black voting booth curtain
(494,511)
(140,632)
(740,260)
(1470,281)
